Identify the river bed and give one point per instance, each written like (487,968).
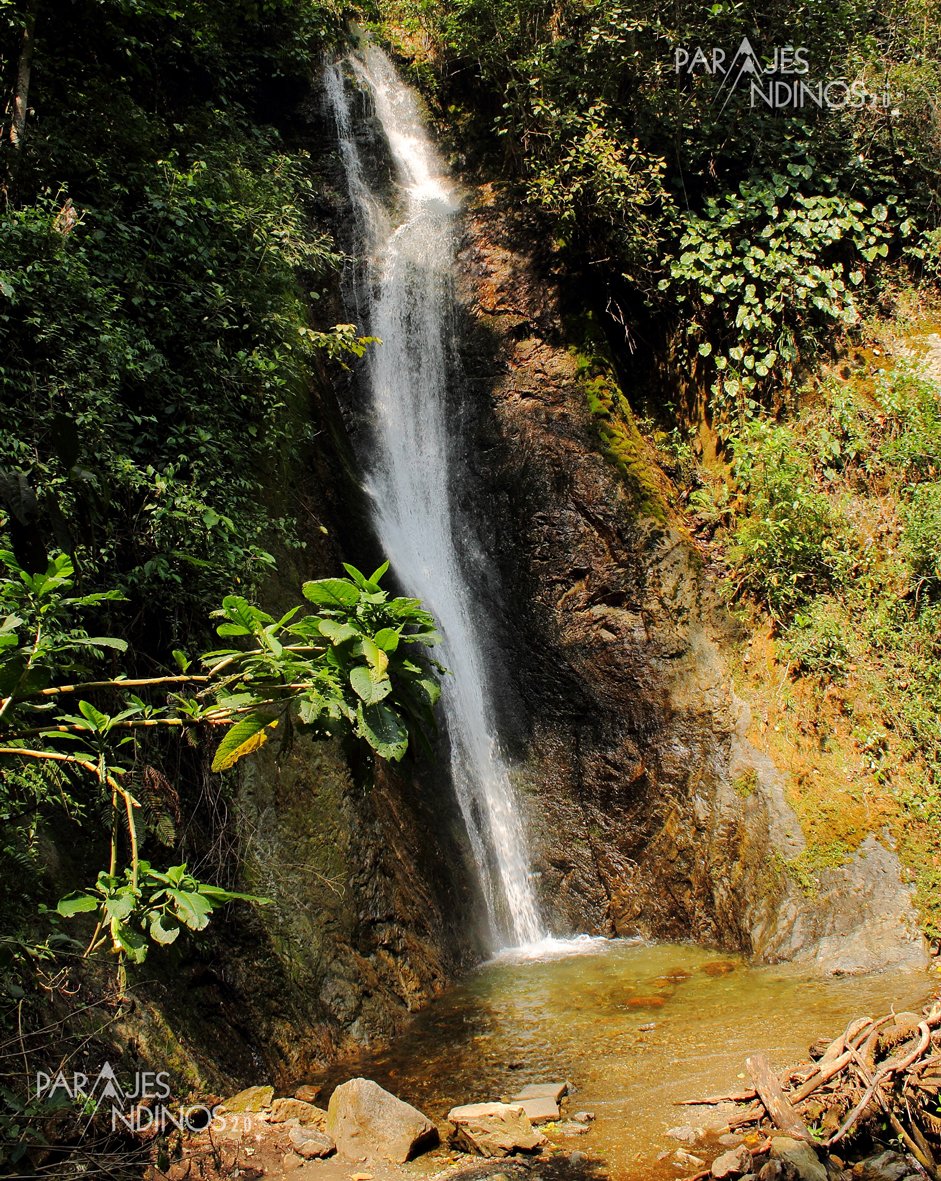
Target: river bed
(633,1026)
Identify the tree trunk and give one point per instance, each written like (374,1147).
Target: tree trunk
(23,72)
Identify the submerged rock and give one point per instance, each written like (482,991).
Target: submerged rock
(494,1129)
(366,1121)
(685,1133)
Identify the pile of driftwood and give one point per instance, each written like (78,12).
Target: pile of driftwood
(886,1071)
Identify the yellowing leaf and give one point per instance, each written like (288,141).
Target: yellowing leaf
(243,738)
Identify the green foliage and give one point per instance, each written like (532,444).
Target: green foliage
(766,274)
(346,667)
(790,544)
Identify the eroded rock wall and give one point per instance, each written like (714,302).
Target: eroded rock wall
(650,812)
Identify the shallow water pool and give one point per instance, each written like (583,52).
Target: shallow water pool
(633,1026)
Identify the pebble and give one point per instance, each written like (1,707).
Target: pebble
(583,1117)
(687,1159)
(577,1157)
(647,1027)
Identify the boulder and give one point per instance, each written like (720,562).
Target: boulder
(494,1129)
(283,1110)
(887,1166)
(251,1099)
(734,1163)
(366,1121)
(311,1144)
(801,1156)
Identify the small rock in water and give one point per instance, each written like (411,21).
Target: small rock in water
(646,1002)
(730,1140)
(494,1129)
(647,1027)
(685,1133)
(687,1160)
(734,1163)
(583,1117)
(540,1111)
(570,1128)
(577,1157)
(553,1091)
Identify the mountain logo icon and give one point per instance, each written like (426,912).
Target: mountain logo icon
(106,1086)
(745,62)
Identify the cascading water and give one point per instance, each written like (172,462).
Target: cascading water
(411,463)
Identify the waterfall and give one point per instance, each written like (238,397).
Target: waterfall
(412,459)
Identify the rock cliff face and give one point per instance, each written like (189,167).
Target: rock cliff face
(650,811)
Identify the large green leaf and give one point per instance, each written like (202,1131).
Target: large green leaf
(241,739)
(77,904)
(383,729)
(367,687)
(331,592)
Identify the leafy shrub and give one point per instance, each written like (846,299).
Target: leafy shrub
(788,543)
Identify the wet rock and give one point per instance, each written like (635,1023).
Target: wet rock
(685,1133)
(583,1117)
(494,1129)
(311,1144)
(570,1128)
(283,1110)
(540,1110)
(773,1170)
(734,1163)
(308,1093)
(577,1157)
(801,1156)
(553,1091)
(366,1121)
(730,1140)
(887,1166)
(251,1099)
(687,1160)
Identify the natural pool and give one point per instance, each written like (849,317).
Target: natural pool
(580,1017)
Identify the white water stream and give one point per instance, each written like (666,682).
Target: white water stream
(413,460)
